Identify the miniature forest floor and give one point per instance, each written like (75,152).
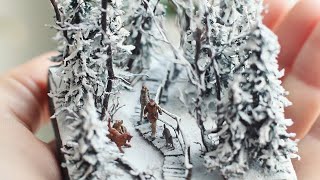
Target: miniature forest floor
(173,166)
(145,156)
(141,155)
(155,158)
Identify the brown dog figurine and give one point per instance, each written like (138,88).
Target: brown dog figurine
(118,138)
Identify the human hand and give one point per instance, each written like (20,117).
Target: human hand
(298,29)
(24,100)
(24,109)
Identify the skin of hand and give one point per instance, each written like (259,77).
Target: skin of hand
(23,109)
(298,30)
(24,101)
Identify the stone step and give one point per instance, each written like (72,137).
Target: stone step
(173,166)
(177,161)
(174,175)
(144,128)
(177,172)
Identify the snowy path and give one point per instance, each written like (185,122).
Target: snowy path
(173,166)
(141,155)
(193,135)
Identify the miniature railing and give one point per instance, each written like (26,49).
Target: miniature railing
(160,91)
(180,134)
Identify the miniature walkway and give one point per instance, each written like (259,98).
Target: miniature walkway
(174,166)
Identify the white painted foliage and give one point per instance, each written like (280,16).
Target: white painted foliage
(144,35)
(230,56)
(83,72)
(90,155)
(223,40)
(84,54)
(255,129)
(213,36)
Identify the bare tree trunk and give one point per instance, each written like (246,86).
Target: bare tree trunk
(111,75)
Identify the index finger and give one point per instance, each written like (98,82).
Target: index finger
(23,93)
(275,11)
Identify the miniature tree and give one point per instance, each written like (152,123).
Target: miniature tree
(212,40)
(254,126)
(91,37)
(144,35)
(89,154)
(91,41)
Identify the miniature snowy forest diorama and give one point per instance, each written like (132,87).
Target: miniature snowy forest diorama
(127,103)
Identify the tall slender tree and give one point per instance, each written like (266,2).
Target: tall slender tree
(213,36)
(89,154)
(144,34)
(91,40)
(90,37)
(254,128)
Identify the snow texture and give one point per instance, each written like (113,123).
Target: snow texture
(90,37)
(90,155)
(176,165)
(84,52)
(219,39)
(235,97)
(212,39)
(141,16)
(254,126)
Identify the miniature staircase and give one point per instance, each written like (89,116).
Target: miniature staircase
(173,167)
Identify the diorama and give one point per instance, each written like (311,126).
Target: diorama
(127,103)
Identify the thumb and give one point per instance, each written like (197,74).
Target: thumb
(23,93)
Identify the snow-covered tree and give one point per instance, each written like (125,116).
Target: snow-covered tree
(213,36)
(254,127)
(144,34)
(89,154)
(91,40)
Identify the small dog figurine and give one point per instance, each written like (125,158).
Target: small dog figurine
(167,135)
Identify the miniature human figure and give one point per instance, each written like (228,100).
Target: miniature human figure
(118,138)
(144,99)
(118,125)
(152,111)
(167,135)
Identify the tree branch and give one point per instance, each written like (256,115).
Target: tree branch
(218,83)
(59,19)
(197,53)
(155,7)
(104,15)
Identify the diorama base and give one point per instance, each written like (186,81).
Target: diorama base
(185,161)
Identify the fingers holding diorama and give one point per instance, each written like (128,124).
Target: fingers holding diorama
(274,12)
(295,29)
(23,92)
(303,82)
